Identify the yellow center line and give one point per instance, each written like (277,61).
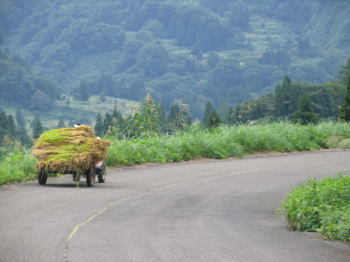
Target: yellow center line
(76,228)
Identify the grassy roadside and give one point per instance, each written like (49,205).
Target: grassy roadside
(16,165)
(224,142)
(321,206)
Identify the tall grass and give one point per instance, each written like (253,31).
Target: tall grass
(223,142)
(16,165)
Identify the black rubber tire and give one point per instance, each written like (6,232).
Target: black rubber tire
(90,176)
(102,175)
(42,177)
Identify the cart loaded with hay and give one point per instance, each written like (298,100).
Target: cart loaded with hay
(74,151)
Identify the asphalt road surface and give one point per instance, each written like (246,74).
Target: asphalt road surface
(195,211)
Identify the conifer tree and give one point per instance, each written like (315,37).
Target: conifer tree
(178,117)
(107,124)
(37,127)
(231,116)
(23,137)
(211,118)
(3,126)
(11,127)
(116,114)
(305,114)
(345,108)
(99,125)
(21,122)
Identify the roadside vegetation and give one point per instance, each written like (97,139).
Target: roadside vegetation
(16,164)
(225,141)
(321,206)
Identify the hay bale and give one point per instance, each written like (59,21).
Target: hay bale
(65,149)
(344,144)
(333,141)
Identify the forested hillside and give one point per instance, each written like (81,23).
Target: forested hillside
(196,50)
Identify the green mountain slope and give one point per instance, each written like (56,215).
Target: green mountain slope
(225,51)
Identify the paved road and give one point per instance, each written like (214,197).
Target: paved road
(200,211)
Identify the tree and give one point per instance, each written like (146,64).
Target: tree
(287,97)
(116,114)
(21,122)
(99,125)
(83,91)
(230,118)
(37,127)
(178,117)
(345,72)
(3,126)
(305,114)
(11,127)
(40,101)
(345,108)
(149,117)
(23,137)
(211,118)
(107,124)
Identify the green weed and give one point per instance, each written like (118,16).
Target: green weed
(224,142)
(17,165)
(322,206)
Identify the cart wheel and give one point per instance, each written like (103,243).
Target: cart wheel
(90,176)
(42,177)
(102,174)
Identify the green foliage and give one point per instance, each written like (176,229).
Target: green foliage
(10,133)
(37,127)
(344,144)
(321,206)
(333,141)
(99,125)
(288,101)
(21,87)
(305,114)
(345,109)
(21,122)
(211,117)
(178,118)
(197,50)
(16,164)
(223,142)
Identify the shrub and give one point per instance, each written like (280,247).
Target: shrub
(333,141)
(344,144)
(322,206)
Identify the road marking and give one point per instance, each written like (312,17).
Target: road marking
(76,228)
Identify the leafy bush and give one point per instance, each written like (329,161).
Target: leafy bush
(345,144)
(322,206)
(333,141)
(16,164)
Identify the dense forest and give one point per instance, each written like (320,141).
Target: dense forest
(196,51)
(325,99)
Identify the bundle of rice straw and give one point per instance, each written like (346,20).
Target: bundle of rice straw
(66,149)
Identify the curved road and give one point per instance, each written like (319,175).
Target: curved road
(195,211)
